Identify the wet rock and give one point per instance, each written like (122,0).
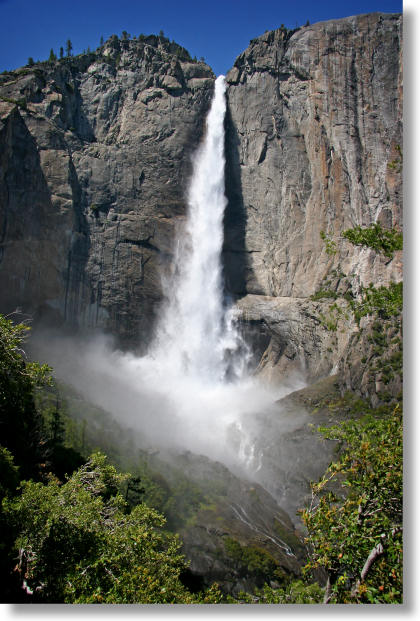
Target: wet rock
(238,536)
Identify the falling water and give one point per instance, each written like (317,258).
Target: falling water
(198,360)
(197,335)
(191,390)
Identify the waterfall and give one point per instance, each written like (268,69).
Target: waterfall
(196,334)
(191,391)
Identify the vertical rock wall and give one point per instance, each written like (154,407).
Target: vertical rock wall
(95,159)
(314,135)
(314,145)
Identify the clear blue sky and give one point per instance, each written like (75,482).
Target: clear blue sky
(219,30)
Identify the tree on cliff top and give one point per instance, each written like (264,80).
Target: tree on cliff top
(69,47)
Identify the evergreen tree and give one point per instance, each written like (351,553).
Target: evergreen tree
(69,48)
(80,543)
(61,52)
(101,42)
(52,57)
(31,61)
(20,423)
(56,427)
(22,450)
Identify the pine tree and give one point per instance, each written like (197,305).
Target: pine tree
(31,61)
(56,427)
(69,48)
(52,57)
(61,52)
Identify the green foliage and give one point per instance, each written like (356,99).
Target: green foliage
(333,316)
(21,103)
(69,48)
(357,506)
(9,480)
(9,473)
(79,543)
(324,293)
(184,500)
(382,302)
(250,560)
(86,540)
(31,61)
(355,519)
(330,244)
(296,592)
(19,421)
(11,358)
(381,240)
(397,163)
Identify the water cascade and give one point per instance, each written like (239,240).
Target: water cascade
(197,362)
(197,335)
(191,390)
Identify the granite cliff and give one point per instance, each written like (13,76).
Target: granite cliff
(315,136)
(95,159)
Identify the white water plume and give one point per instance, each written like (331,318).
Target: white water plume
(197,335)
(197,361)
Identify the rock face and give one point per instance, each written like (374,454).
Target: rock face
(95,158)
(238,521)
(94,165)
(314,145)
(314,133)
(297,342)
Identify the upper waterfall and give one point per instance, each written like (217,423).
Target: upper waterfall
(196,334)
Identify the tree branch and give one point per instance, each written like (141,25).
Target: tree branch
(375,553)
(328,591)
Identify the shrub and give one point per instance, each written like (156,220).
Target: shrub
(381,240)
(355,519)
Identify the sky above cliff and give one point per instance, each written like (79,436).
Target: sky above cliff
(218,30)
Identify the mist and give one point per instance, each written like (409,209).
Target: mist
(170,410)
